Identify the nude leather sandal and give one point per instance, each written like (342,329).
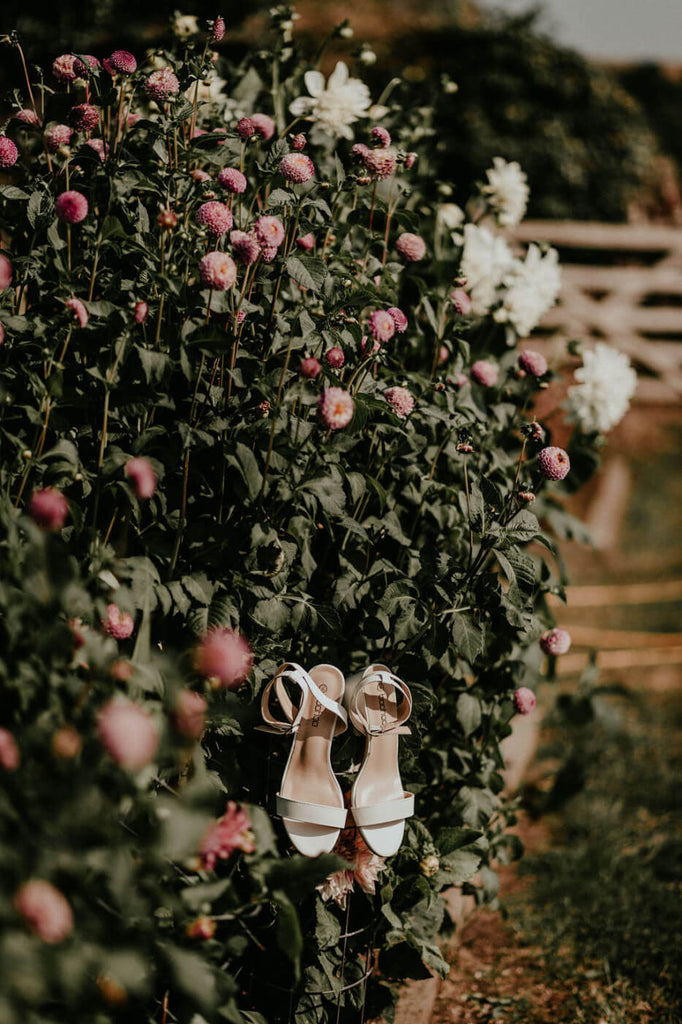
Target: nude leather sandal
(379,704)
(310,801)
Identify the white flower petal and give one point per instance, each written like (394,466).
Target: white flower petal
(301,106)
(339,76)
(314,82)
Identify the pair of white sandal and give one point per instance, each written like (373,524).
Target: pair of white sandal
(310,801)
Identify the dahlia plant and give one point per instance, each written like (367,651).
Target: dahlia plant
(261,402)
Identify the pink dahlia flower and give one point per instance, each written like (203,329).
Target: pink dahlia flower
(84,117)
(461,301)
(401,400)
(269,232)
(555,641)
(381,135)
(533,362)
(245,247)
(5,273)
(399,319)
(100,147)
(45,909)
(459,380)
(63,68)
(79,311)
(410,161)
(297,167)
(245,128)
(190,713)
(306,242)
(381,164)
(218,30)
(310,367)
(299,142)
(218,270)
(484,373)
(123,62)
(215,217)
(128,733)
(335,357)
(411,247)
(229,833)
(443,354)
(141,310)
(199,175)
(382,325)
(263,125)
(141,474)
(524,700)
(365,870)
(48,508)
(118,624)
(85,66)
(233,180)
(224,655)
(161,84)
(202,927)
(9,154)
(268,253)
(28,116)
(71,207)
(359,152)
(167,219)
(335,408)
(9,751)
(554,463)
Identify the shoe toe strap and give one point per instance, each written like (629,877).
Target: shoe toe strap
(313,814)
(384,814)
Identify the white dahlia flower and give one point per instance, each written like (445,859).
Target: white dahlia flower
(507,192)
(607,382)
(486,258)
(333,105)
(532,286)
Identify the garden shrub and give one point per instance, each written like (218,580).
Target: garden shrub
(261,401)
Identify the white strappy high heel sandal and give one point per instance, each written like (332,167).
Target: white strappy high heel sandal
(379,804)
(310,801)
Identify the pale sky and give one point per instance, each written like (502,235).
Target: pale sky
(637,29)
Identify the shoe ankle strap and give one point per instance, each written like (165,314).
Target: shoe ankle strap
(294,713)
(361,719)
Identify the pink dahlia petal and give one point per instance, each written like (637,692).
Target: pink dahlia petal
(215,217)
(524,700)
(128,733)
(245,247)
(218,270)
(299,142)
(199,175)
(381,164)
(335,408)
(141,310)
(263,125)
(245,128)
(2,335)
(161,84)
(382,135)
(45,909)
(310,367)
(84,117)
(533,362)
(233,180)
(224,655)
(401,400)
(123,62)
(48,508)
(268,253)
(555,641)
(382,325)
(297,167)
(190,713)
(79,311)
(218,30)
(5,273)
(229,833)
(306,242)
(359,152)
(461,301)
(411,247)
(85,66)
(100,147)
(410,160)
(484,373)
(63,68)
(554,463)
(399,319)
(141,474)
(118,624)
(335,357)
(269,232)
(28,116)
(9,153)
(56,136)
(9,751)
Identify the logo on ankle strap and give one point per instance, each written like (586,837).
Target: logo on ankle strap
(317,710)
(382,704)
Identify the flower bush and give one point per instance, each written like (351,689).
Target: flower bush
(238,450)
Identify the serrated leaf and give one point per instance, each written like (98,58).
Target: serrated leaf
(308,271)
(468,712)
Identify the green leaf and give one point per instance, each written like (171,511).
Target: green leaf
(468,712)
(467,636)
(308,271)
(289,937)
